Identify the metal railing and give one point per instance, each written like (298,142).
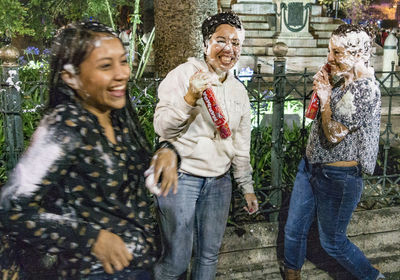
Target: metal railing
(277,144)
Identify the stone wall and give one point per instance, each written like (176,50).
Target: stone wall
(255,253)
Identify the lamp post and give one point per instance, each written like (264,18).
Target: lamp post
(337,8)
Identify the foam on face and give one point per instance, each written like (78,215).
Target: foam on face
(96,43)
(358,48)
(227,46)
(212,42)
(99,39)
(357,42)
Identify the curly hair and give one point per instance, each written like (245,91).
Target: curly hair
(211,23)
(359,38)
(344,29)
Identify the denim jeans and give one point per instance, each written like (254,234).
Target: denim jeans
(332,193)
(194,218)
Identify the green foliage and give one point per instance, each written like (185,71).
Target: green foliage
(379,194)
(145,49)
(144,98)
(2,154)
(260,156)
(33,76)
(294,141)
(353,9)
(11,12)
(40,18)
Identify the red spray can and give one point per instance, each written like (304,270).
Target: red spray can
(216,113)
(313,107)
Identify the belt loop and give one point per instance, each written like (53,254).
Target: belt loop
(359,169)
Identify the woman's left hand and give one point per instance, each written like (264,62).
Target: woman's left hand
(164,164)
(252,203)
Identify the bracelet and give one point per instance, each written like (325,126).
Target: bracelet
(169,145)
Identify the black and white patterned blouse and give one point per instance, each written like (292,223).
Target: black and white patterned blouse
(358,107)
(72,182)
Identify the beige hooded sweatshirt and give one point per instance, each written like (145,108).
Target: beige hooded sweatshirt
(190,129)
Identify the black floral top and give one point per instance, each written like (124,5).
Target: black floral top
(72,182)
(358,107)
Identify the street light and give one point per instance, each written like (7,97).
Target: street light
(337,8)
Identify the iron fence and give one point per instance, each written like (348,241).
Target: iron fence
(279,132)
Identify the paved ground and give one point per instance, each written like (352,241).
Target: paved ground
(392,276)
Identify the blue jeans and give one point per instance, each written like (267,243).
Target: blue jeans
(332,193)
(194,218)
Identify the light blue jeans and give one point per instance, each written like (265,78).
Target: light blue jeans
(194,218)
(332,193)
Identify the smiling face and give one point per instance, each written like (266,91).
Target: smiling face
(103,76)
(340,59)
(223,49)
(349,50)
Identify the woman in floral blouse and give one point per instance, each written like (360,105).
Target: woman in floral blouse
(75,206)
(343,144)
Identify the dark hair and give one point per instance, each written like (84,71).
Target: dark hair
(211,23)
(344,29)
(72,46)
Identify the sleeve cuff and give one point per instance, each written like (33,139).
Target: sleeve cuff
(247,188)
(169,145)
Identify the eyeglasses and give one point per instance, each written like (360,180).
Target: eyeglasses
(224,42)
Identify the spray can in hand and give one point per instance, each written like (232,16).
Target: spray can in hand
(313,107)
(216,113)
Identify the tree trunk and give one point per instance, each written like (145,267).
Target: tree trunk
(178,31)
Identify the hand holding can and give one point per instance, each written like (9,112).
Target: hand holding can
(313,106)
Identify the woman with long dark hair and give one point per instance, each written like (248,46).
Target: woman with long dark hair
(77,198)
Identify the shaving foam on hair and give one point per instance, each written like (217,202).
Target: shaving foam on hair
(355,43)
(70,68)
(358,46)
(99,39)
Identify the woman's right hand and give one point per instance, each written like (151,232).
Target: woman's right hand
(198,83)
(322,85)
(111,251)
